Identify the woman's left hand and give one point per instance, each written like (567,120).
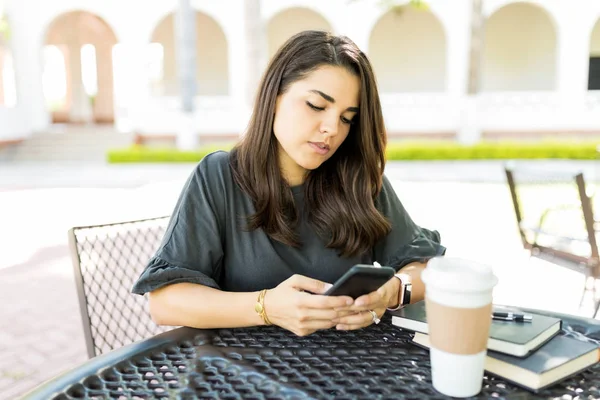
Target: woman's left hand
(358,315)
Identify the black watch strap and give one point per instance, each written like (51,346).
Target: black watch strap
(407,293)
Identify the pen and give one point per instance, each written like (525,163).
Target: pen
(509,316)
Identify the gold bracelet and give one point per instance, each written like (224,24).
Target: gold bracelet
(259,307)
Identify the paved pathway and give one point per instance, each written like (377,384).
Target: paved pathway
(76,174)
(40,327)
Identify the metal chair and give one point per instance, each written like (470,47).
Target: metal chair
(555,217)
(107,259)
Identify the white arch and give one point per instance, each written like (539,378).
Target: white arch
(290,21)
(213,72)
(97,31)
(212,12)
(51,26)
(435,8)
(326,10)
(408,52)
(550,8)
(521,42)
(595,40)
(51,18)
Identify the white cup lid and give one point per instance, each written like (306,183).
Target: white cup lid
(458,275)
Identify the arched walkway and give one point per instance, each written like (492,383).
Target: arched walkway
(519,49)
(212,58)
(287,23)
(408,52)
(594,71)
(78,68)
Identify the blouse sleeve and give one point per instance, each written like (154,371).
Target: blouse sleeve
(407,242)
(191,250)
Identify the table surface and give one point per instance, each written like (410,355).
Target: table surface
(377,362)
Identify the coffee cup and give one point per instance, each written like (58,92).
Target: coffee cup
(458,302)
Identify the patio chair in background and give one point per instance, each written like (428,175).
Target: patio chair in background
(107,259)
(555,217)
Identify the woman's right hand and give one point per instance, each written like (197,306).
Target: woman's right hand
(291,307)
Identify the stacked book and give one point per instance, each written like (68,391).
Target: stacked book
(533,354)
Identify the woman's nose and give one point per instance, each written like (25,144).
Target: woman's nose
(329,126)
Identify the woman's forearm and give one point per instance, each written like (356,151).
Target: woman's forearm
(198,306)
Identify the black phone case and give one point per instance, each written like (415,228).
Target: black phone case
(360,280)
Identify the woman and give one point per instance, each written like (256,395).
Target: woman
(258,234)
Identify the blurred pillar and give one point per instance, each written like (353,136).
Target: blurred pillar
(104,105)
(80,110)
(573,55)
(470,122)
(255,47)
(458,36)
(28,39)
(185,33)
(2,51)
(133,94)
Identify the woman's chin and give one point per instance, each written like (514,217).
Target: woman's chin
(312,162)
(311,165)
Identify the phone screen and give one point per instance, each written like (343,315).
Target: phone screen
(361,280)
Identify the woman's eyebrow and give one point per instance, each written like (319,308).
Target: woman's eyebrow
(331,99)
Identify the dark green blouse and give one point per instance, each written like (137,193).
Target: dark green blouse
(205,242)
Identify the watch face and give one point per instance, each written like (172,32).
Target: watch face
(407,293)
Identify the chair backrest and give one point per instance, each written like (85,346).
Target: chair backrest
(107,260)
(554,213)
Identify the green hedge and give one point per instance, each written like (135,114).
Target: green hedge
(142,154)
(397,151)
(494,151)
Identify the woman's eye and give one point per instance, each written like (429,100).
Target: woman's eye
(343,119)
(311,105)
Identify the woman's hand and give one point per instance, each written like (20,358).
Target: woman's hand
(358,315)
(290,307)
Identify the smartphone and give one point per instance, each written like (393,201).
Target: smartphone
(361,279)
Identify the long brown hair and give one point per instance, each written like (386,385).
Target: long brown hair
(340,194)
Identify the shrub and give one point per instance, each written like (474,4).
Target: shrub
(396,151)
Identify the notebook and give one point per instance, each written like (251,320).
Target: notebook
(559,358)
(514,338)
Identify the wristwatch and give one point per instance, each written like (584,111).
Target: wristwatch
(405,291)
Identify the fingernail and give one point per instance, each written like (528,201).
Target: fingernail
(349,302)
(328,286)
(360,303)
(339,327)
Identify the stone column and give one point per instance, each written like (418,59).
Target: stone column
(572,58)
(185,33)
(28,41)
(80,108)
(133,88)
(457,49)
(2,51)
(469,128)
(104,104)
(255,47)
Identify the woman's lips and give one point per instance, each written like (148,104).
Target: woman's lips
(320,147)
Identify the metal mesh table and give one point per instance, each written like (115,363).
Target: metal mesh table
(270,363)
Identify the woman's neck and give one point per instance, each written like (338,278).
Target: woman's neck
(294,174)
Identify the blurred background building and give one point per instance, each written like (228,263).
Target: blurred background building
(116,63)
